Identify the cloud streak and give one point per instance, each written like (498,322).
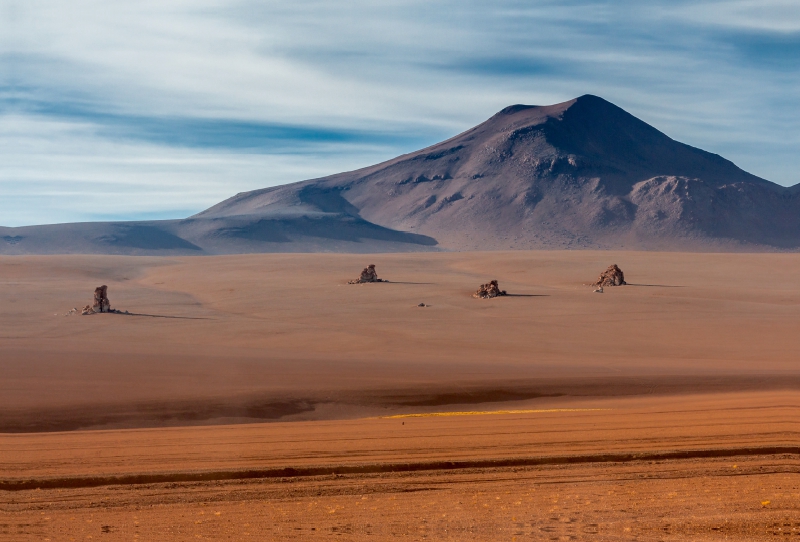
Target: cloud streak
(168,107)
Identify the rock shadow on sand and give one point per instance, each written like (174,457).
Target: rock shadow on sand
(656,285)
(161,316)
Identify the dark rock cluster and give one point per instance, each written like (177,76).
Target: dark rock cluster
(489,290)
(613,276)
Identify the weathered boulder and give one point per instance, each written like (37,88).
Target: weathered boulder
(489,290)
(367,275)
(100,303)
(613,276)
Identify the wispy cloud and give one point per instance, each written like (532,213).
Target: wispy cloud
(157,107)
(214,133)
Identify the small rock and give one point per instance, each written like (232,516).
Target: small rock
(613,276)
(422,305)
(367,275)
(489,290)
(101,302)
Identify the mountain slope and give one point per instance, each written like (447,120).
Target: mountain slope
(580,174)
(303,232)
(583,173)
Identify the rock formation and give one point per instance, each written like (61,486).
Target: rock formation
(101,302)
(488,291)
(613,276)
(367,275)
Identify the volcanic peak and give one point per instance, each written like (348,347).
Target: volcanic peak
(579,174)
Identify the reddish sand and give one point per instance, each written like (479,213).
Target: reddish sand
(636,403)
(705,467)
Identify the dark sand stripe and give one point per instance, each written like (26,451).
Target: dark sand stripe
(378,468)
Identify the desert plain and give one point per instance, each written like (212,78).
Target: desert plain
(261,397)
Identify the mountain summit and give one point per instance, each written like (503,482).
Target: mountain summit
(579,174)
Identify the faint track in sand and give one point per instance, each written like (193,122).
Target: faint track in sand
(391,467)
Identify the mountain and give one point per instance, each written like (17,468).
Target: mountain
(273,232)
(580,174)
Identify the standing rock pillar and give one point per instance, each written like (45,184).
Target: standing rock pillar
(100,303)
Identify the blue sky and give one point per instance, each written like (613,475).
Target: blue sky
(158,109)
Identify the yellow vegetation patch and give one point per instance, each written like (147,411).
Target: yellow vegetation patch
(488,412)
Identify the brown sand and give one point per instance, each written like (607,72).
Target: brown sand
(707,467)
(643,398)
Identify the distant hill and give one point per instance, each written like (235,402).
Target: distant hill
(580,174)
(300,232)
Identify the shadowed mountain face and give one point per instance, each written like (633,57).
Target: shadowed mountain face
(581,174)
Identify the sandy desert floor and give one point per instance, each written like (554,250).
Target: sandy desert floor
(262,397)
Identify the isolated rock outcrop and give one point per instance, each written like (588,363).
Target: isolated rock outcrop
(367,275)
(489,290)
(613,276)
(100,303)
